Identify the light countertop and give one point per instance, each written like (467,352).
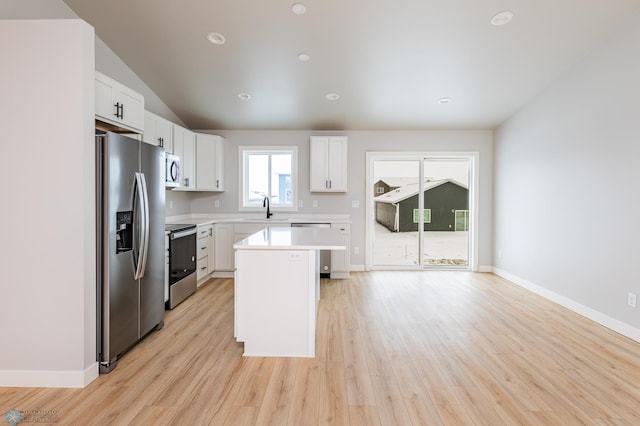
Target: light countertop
(280,219)
(287,238)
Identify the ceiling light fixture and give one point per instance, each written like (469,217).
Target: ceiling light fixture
(444,100)
(244,96)
(216,38)
(303,57)
(332,96)
(299,9)
(502,18)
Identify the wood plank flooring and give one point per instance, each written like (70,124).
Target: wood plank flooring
(393,348)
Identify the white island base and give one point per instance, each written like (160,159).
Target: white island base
(277,289)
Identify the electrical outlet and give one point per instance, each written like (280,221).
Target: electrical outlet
(355,204)
(216,204)
(632,300)
(171,204)
(300,204)
(315,203)
(356,250)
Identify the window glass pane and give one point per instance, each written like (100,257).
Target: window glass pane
(268,173)
(256,173)
(281,191)
(426,215)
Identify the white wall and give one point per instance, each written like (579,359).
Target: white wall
(359,143)
(106,61)
(566,192)
(47,289)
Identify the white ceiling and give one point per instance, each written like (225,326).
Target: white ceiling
(390,61)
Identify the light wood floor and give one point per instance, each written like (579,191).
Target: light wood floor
(394,348)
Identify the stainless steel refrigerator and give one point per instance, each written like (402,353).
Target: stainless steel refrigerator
(130,221)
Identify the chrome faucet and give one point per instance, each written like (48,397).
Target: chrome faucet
(265,203)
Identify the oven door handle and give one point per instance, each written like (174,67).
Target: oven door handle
(180,234)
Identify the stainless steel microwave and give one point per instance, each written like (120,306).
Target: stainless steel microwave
(172,171)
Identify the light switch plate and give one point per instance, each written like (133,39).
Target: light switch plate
(355,204)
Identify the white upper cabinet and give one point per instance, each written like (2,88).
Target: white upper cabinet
(184,146)
(328,164)
(118,105)
(209,162)
(158,131)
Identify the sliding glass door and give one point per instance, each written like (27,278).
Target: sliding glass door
(419,211)
(395,233)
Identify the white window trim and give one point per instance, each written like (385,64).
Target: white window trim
(294,177)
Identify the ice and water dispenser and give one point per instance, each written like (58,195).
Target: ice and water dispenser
(124,231)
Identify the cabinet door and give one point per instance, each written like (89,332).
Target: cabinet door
(328,164)
(337,164)
(318,168)
(165,133)
(341,259)
(219,163)
(223,246)
(207,149)
(178,142)
(118,105)
(150,134)
(212,250)
(105,108)
(188,159)
(132,112)
(158,131)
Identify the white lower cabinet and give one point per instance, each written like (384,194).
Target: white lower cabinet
(204,241)
(341,259)
(227,234)
(224,247)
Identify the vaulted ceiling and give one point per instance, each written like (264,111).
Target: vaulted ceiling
(390,62)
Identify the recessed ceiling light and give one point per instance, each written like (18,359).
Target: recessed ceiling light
(244,96)
(332,96)
(216,38)
(444,100)
(299,9)
(502,18)
(303,57)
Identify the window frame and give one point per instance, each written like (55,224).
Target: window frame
(243,152)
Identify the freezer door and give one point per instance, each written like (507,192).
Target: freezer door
(118,159)
(152,163)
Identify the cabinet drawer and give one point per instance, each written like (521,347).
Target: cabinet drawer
(202,267)
(203,248)
(204,231)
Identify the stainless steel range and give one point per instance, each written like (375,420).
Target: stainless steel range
(182,263)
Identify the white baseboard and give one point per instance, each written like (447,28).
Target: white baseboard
(590,313)
(356,268)
(485,268)
(49,379)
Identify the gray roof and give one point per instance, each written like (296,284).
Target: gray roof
(396,182)
(409,190)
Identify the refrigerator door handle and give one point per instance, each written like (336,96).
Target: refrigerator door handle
(138,200)
(145,215)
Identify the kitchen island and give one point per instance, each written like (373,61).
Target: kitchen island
(277,289)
